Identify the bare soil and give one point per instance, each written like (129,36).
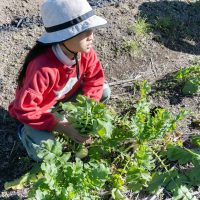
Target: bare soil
(161,54)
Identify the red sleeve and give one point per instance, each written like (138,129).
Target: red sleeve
(28,105)
(94,78)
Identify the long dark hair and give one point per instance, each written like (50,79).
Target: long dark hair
(37,49)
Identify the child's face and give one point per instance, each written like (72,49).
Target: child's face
(81,42)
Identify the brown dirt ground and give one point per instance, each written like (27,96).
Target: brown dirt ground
(161,54)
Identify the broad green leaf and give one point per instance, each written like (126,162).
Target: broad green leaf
(117,195)
(17,184)
(49,149)
(68,106)
(176,153)
(177,179)
(168,179)
(192,86)
(97,175)
(106,128)
(182,193)
(28,178)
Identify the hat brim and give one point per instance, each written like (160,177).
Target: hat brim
(65,34)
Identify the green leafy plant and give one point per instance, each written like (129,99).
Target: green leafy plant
(190,79)
(179,183)
(123,156)
(67,179)
(139,169)
(140,27)
(164,23)
(147,126)
(89,117)
(132,47)
(30,177)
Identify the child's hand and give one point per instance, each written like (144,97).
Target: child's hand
(71,132)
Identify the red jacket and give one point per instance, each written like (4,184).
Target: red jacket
(47,81)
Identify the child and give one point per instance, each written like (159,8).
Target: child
(62,62)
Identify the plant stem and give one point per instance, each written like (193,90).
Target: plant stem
(160,160)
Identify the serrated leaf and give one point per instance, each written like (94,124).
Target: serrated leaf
(48,149)
(98,174)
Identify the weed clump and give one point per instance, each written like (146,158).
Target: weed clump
(132,47)
(140,27)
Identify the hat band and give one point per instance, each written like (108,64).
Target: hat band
(70,23)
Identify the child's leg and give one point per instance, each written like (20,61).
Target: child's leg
(32,138)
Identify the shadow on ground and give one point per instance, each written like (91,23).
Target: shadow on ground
(175,24)
(170,88)
(13,157)
(21,22)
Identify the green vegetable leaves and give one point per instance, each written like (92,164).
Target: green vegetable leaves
(138,172)
(124,156)
(66,179)
(190,79)
(89,116)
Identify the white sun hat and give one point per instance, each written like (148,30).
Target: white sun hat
(64,19)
